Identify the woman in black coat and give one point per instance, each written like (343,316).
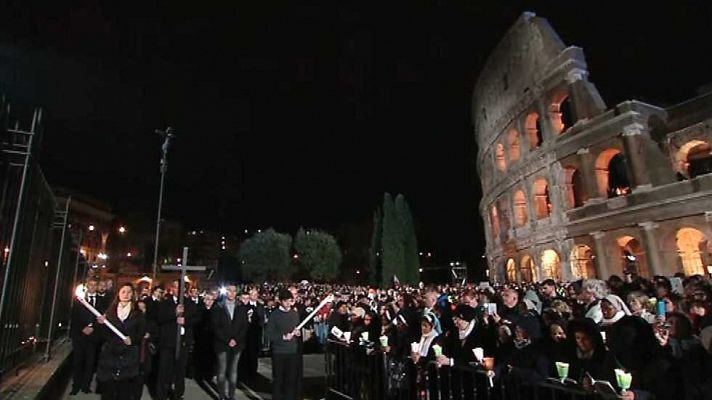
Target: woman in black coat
(118,367)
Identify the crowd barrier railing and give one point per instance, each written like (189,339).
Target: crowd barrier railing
(353,372)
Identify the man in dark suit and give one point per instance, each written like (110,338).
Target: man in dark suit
(247,366)
(230,329)
(85,342)
(174,321)
(152,303)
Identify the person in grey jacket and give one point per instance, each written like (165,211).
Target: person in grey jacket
(284,337)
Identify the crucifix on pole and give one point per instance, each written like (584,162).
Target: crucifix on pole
(167,135)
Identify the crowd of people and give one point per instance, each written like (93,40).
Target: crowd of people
(657,330)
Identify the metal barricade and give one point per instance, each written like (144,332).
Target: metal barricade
(37,255)
(354,373)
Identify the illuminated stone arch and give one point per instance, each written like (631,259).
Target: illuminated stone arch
(527,267)
(561,113)
(694,158)
(513,144)
(499,158)
(611,174)
(542,201)
(692,246)
(632,256)
(574,187)
(532,124)
(582,262)
(550,264)
(495,221)
(511,270)
(520,208)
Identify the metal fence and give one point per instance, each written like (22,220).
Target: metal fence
(39,257)
(353,372)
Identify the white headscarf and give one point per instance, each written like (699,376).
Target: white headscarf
(620,306)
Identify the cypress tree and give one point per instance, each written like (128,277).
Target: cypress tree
(374,260)
(411,262)
(391,242)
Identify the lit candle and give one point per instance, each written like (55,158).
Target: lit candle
(313,313)
(80,297)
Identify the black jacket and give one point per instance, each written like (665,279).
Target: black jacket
(119,361)
(225,328)
(82,317)
(482,335)
(168,328)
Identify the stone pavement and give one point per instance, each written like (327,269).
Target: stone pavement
(260,390)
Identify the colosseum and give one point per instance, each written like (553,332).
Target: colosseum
(573,188)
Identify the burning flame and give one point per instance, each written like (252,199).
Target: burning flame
(80,290)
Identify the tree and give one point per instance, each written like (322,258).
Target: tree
(265,256)
(374,260)
(319,253)
(410,271)
(391,242)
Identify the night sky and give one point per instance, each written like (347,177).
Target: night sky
(305,112)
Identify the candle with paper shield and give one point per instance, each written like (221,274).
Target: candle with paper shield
(79,292)
(479,353)
(384,341)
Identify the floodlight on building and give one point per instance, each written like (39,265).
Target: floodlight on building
(122,229)
(92,228)
(102,256)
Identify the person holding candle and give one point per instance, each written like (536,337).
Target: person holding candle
(459,348)
(118,368)
(424,351)
(284,337)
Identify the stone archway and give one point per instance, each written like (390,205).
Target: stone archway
(542,202)
(511,270)
(513,143)
(582,262)
(632,256)
(611,174)
(694,158)
(574,187)
(520,208)
(499,156)
(561,113)
(528,269)
(693,247)
(533,126)
(495,222)
(550,264)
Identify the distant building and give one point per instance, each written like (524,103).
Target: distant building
(573,188)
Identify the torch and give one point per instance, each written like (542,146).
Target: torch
(79,292)
(311,315)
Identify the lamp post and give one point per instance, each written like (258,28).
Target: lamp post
(167,135)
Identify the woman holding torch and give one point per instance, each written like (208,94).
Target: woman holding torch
(118,367)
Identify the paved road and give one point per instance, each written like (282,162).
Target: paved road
(260,390)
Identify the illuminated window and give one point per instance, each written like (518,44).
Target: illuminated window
(511,271)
